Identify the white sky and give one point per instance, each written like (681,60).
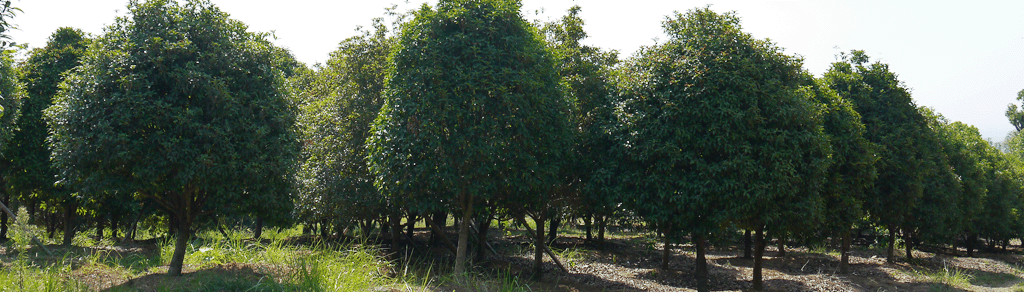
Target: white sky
(965,59)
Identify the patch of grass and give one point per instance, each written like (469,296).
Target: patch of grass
(1018,288)
(823,250)
(571,256)
(945,279)
(992,279)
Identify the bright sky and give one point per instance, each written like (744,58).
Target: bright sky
(965,59)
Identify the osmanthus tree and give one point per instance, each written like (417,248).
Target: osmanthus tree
(893,123)
(30,176)
(852,172)
(179,105)
(11,94)
(472,111)
(718,127)
(1016,115)
(339,103)
(1001,217)
(586,70)
(972,161)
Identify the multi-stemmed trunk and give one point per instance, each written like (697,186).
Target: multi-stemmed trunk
(553,229)
(758,257)
(701,244)
(483,226)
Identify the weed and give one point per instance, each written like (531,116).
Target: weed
(946,279)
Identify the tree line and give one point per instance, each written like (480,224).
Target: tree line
(178,116)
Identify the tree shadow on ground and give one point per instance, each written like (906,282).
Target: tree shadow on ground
(222,278)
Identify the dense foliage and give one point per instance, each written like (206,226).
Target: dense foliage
(180,118)
(179,105)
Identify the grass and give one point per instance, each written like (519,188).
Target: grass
(945,280)
(824,250)
(212,263)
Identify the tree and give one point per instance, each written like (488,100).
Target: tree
(7,12)
(11,94)
(586,71)
(472,111)
(178,105)
(852,171)
(892,122)
(1015,114)
(340,101)
(719,128)
(30,175)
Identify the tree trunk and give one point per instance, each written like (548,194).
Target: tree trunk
(99,228)
(460,255)
(553,229)
(439,219)
(3,219)
(747,244)
(666,254)
(602,222)
(181,242)
(396,232)
(700,244)
(844,260)
(51,224)
(538,253)
(257,230)
(782,245)
(890,252)
(69,224)
(366,228)
(970,245)
(410,225)
(587,226)
(113,226)
(909,246)
(758,258)
(483,226)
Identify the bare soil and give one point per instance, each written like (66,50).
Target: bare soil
(632,265)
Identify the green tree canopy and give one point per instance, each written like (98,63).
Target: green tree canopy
(31,172)
(179,105)
(1016,115)
(892,122)
(11,94)
(586,71)
(719,128)
(340,101)
(472,110)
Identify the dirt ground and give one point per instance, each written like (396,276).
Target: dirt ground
(623,265)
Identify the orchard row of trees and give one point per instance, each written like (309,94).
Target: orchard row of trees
(469,110)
